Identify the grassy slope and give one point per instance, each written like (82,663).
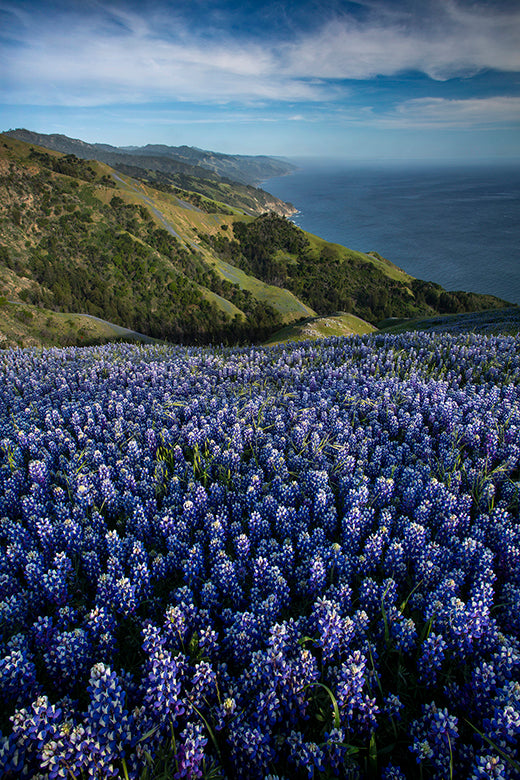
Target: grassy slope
(187,222)
(181,218)
(169,211)
(321,328)
(385,266)
(493,321)
(287,304)
(329,277)
(164,171)
(23,325)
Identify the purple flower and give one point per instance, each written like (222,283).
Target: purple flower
(191,752)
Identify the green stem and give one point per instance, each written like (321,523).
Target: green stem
(210,731)
(508,758)
(337,721)
(125,769)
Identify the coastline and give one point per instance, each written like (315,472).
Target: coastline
(292,210)
(288,209)
(447,224)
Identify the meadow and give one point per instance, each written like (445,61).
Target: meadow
(300,561)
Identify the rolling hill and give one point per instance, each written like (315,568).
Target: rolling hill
(232,178)
(79,237)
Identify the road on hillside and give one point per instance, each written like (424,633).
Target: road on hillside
(149,202)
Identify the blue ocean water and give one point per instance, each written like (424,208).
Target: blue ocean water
(452,224)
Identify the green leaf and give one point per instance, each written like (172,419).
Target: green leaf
(504,755)
(372,754)
(210,730)
(305,639)
(337,721)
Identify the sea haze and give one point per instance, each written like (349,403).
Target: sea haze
(452,224)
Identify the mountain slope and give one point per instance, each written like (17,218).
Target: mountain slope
(76,236)
(217,176)
(24,325)
(331,278)
(243,168)
(488,322)
(315,328)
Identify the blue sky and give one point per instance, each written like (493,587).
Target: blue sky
(356,80)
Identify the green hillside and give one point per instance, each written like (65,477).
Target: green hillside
(77,237)
(329,277)
(221,177)
(315,328)
(25,325)
(489,322)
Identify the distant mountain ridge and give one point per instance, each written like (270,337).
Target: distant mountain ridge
(245,169)
(163,170)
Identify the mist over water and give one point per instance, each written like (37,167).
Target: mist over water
(457,225)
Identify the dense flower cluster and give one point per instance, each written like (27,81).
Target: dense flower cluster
(300,561)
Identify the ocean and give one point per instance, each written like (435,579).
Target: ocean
(455,225)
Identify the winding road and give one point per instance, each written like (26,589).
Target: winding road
(149,202)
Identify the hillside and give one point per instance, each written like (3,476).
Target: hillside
(314,328)
(217,176)
(246,169)
(35,326)
(78,237)
(490,322)
(331,278)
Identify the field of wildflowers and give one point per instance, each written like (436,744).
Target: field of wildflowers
(286,562)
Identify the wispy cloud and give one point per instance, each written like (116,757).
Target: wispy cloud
(96,71)
(435,112)
(117,56)
(106,56)
(430,113)
(451,42)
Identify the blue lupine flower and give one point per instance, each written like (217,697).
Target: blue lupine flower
(391,772)
(307,756)
(68,658)
(251,751)
(191,752)
(161,687)
(488,767)
(17,677)
(321,513)
(433,652)
(393,706)
(107,713)
(434,735)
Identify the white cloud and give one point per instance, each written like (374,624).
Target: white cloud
(84,69)
(452,42)
(119,56)
(432,112)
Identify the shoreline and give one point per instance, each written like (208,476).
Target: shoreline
(293,210)
(398,210)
